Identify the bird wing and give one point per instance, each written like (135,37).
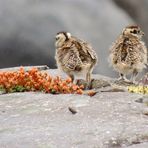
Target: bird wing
(71,59)
(120,49)
(142,53)
(127,51)
(90,50)
(87,48)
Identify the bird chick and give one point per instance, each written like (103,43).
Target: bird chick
(74,56)
(128,55)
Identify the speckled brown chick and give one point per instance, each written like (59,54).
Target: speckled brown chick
(74,56)
(128,55)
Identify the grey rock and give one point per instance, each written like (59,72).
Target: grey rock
(143,99)
(141,145)
(99,83)
(106,120)
(94,84)
(28,28)
(138,11)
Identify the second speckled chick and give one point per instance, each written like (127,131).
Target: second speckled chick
(128,55)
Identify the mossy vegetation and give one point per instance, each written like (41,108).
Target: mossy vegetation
(35,80)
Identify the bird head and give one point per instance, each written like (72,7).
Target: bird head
(134,31)
(61,38)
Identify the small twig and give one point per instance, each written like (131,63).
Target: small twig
(113,90)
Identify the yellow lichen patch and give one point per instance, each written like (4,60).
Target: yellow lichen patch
(138,89)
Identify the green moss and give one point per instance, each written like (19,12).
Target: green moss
(17,88)
(2,88)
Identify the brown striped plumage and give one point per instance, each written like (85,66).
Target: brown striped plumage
(74,56)
(129,54)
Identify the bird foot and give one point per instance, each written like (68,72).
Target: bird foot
(123,79)
(135,82)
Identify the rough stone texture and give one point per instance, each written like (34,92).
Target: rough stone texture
(106,120)
(28,28)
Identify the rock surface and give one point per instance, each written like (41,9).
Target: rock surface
(106,120)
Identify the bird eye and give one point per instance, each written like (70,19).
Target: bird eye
(135,31)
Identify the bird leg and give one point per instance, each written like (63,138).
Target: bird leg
(88,77)
(123,77)
(72,77)
(134,76)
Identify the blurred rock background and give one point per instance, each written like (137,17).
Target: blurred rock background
(138,11)
(28,27)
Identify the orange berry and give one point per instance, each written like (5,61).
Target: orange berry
(79,91)
(65,88)
(91,93)
(69,80)
(55,87)
(75,87)
(81,86)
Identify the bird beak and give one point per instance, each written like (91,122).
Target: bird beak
(142,33)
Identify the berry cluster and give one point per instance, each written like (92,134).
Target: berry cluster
(35,80)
